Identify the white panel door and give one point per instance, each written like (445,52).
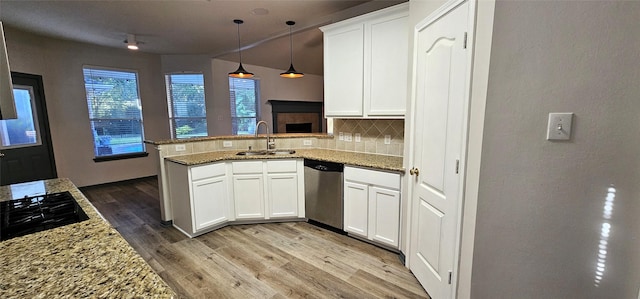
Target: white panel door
(210,202)
(439,90)
(343,67)
(283,194)
(384,215)
(248,196)
(356,208)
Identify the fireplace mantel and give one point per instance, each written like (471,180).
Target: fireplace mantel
(296,111)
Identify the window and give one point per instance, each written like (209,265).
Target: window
(187,112)
(23,131)
(115,113)
(245,96)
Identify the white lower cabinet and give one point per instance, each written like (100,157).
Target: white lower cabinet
(199,196)
(206,197)
(248,189)
(268,189)
(372,205)
(285,188)
(356,208)
(210,202)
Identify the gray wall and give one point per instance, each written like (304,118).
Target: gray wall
(540,203)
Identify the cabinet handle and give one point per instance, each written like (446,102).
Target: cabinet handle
(1,155)
(414,171)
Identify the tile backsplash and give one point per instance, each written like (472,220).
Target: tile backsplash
(372,140)
(372,136)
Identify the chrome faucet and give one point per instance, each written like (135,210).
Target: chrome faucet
(270,144)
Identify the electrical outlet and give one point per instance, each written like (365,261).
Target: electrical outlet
(180,148)
(358,137)
(227,144)
(559,127)
(306,142)
(347,137)
(387,139)
(340,136)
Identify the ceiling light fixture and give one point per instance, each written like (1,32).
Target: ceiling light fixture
(291,72)
(131,42)
(240,72)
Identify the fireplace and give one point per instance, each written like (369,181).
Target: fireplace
(296,116)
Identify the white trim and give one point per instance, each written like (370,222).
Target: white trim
(481,40)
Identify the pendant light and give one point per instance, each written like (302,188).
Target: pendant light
(240,72)
(291,72)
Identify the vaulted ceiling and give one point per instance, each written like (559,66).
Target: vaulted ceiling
(194,27)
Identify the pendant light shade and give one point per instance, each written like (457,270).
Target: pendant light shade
(240,72)
(291,72)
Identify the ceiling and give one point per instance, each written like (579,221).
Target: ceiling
(194,27)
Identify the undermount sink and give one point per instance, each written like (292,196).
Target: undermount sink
(265,153)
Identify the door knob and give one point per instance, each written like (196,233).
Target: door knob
(414,171)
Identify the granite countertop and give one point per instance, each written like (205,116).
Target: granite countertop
(240,137)
(85,259)
(382,162)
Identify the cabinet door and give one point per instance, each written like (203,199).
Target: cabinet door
(356,207)
(210,202)
(343,67)
(282,195)
(248,195)
(384,215)
(386,66)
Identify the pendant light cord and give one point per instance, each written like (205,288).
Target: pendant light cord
(290,47)
(239,50)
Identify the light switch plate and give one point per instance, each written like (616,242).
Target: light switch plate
(341,136)
(306,142)
(358,137)
(180,147)
(559,127)
(387,139)
(227,144)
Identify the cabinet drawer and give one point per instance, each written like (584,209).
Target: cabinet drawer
(247,167)
(207,171)
(372,177)
(281,166)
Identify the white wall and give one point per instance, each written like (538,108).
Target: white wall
(272,87)
(60,65)
(540,203)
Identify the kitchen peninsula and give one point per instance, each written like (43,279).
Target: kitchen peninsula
(80,260)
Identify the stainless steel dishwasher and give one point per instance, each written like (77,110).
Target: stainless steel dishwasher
(323,193)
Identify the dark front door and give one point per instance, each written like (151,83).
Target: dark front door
(25,143)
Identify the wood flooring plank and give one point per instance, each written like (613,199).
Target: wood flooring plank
(275,260)
(381,288)
(226,275)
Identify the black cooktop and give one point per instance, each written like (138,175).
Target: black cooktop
(28,215)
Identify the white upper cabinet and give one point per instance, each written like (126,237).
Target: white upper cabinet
(366,65)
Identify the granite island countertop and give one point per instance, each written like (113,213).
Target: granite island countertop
(80,260)
(383,162)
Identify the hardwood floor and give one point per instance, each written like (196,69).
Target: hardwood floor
(279,260)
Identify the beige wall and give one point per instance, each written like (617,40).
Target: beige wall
(272,87)
(540,203)
(60,65)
